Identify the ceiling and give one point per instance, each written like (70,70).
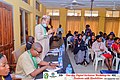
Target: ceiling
(86,3)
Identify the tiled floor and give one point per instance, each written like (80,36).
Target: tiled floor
(82,68)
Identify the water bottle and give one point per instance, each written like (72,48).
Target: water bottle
(63,46)
(60,51)
(119,71)
(69,69)
(60,62)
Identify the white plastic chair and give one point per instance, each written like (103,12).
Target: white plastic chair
(117,60)
(96,61)
(68,40)
(117,63)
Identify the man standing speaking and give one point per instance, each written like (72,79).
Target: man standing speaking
(42,35)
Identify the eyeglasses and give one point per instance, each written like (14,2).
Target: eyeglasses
(38,51)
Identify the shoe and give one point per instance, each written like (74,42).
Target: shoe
(85,64)
(77,63)
(92,60)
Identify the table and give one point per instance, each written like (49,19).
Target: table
(108,72)
(66,61)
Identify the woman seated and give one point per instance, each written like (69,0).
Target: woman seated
(109,42)
(81,52)
(91,52)
(116,46)
(88,37)
(4,68)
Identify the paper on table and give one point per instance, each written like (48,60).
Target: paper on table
(56,62)
(54,50)
(53,70)
(55,54)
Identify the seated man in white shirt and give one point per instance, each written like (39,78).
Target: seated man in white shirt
(29,64)
(99,48)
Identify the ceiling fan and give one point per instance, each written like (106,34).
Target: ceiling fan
(113,7)
(72,5)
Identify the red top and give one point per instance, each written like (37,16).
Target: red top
(115,46)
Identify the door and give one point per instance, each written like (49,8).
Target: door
(6,30)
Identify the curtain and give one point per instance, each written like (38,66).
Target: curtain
(93,22)
(112,25)
(73,23)
(55,21)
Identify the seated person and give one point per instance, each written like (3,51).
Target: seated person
(83,36)
(75,36)
(68,34)
(88,37)
(30,42)
(81,52)
(73,40)
(69,42)
(29,64)
(116,46)
(90,42)
(105,37)
(100,50)
(109,42)
(4,68)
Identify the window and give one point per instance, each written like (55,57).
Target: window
(52,12)
(116,13)
(49,12)
(112,14)
(24,26)
(27,1)
(37,19)
(40,7)
(55,12)
(74,13)
(37,6)
(89,13)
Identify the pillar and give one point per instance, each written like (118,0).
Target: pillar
(63,20)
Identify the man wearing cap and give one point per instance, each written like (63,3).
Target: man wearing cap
(42,35)
(29,65)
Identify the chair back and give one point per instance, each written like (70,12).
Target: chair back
(18,52)
(115,53)
(68,39)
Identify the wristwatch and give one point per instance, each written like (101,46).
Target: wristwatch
(50,63)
